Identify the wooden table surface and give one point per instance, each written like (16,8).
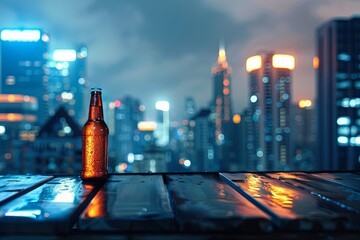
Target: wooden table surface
(182,205)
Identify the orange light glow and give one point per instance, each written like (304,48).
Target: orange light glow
(316,62)
(13,98)
(253,63)
(282,196)
(253,185)
(97,207)
(222,56)
(283,61)
(147,126)
(226,91)
(305,103)
(236,118)
(226,82)
(16,117)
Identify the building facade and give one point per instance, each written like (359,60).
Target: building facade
(338,94)
(270,104)
(24,54)
(304,136)
(222,110)
(17,129)
(68,82)
(125,142)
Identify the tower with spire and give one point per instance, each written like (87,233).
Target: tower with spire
(221,107)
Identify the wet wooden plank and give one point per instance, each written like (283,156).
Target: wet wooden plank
(290,207)
(350,180)
(12,186)
(203,202)
(130,203)
(339,194)
(51,208)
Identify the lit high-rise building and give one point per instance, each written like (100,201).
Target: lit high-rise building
(163,123)
(68,82)
(23,65)
(304,135)
(204,147)
(338,94)
(128,112)
(270,104)
(188,137)
(17,121)
(221,109)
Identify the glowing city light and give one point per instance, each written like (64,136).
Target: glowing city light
(253,99)
(14,98)
(253,63)
(236,118)
(117,103)
(305,103)
(316,62)
(222,56)
(162,106)
(16,117)
(64,55)
(283,61)
(343,121)
(187,163)
(20,35)
(147,126)
(2,130)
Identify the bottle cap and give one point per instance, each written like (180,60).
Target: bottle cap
(96,89)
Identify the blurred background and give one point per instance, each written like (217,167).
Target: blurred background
(199,85)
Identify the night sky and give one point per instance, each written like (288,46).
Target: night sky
(164,49)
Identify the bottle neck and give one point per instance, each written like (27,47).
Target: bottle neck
(96,107)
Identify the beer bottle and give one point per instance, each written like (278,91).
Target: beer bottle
(95,141)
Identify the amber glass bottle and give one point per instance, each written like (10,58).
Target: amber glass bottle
(95,141)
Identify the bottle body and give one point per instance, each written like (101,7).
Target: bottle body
(95,142)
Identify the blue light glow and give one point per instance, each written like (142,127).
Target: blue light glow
(20,35)
(64,55)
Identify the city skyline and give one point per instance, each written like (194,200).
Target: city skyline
(153,59)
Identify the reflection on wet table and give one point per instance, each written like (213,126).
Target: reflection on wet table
(291,207)
(135,202)
(176,203)
(205,202)
(52,207)
(13,185)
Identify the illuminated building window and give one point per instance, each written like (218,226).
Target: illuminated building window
(226,82)
(81,81)
(265,79)
(343,85)
(278,138)
(343,131)
(341,76)
(253,99)
(343,141)
(226,91)
(344,57)
(10,80)
(343,121)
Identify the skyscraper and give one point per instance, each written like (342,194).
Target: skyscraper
(188,137)
(163,123)
(221,108)
(17,119)
(270,104)
(338,93)
(126,140)
(304,135)
(68,81)
(23,65)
